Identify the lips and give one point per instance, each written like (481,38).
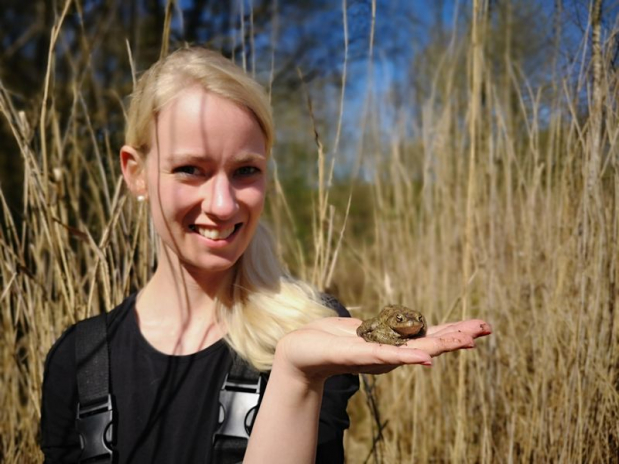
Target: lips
(213,233)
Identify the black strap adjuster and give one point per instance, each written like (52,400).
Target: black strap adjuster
(94,424)
(238,405)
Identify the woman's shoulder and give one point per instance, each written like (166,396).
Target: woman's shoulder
(62,352)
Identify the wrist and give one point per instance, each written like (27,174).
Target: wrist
(284,369)
(289,413)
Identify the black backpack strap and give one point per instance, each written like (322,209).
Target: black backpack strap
(95,412)
(331,302)
(239,400)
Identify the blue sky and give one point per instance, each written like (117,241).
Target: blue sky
(403,29)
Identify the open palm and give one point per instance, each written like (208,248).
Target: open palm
(331,346)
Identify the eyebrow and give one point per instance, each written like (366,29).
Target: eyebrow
(240,158)
(187,157)
(248,157)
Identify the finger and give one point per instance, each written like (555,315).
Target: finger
(374,370)
(389,355)
(473,327)
(439,344)
(439,328)
(358,352)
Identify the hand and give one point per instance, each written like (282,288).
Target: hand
(304,359)
(331,346)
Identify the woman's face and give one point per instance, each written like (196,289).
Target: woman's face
(206,179)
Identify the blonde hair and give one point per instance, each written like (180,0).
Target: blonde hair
(262,303)
(164,80)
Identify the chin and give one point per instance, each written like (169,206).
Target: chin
(213,265)
(200,261)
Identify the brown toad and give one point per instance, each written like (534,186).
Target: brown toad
(394,325)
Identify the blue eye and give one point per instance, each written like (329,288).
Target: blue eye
(247,171)
(188,170)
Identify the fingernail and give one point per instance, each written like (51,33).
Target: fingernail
(427,363)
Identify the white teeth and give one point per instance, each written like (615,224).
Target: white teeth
(214,234)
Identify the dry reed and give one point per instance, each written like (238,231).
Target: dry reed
(514,220)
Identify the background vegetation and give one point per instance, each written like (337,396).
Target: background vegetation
(460,157)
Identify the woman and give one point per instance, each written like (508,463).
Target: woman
(198,139)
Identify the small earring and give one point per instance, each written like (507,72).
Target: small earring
(141,198)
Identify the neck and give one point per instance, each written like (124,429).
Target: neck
(176,309)
(189,288)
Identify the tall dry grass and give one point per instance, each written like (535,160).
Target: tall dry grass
(516,222)
(504,207)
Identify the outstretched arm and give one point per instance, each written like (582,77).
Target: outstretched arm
(287,425)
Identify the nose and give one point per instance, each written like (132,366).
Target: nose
(219,198)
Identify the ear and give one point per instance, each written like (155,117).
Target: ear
(133,167)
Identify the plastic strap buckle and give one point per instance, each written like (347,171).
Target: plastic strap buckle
(238,404)
(94,424)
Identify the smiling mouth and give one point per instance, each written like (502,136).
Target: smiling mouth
(215,234)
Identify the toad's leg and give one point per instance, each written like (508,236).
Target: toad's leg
(367,327)
(384,337)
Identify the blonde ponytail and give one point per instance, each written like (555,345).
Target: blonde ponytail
(265,304)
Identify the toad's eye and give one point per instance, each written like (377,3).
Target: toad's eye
(399,318)
(186,170)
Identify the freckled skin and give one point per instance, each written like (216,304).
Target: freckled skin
(394,325)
